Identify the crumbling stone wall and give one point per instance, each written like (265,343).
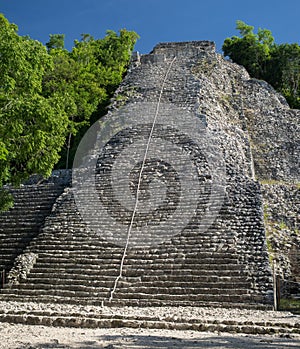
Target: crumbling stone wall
(282,219)
(266,132)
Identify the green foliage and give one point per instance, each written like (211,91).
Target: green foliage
(244,28)
(284,72)
(279,65)
(283,225)
(49,96)
(32,126)
(56,41)
(6,200)
(87,77)
(292,305)
(251,50)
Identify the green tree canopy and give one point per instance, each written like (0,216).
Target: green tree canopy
(284,72)
(48,95)
(32,127)
(250,50)
(87,77)
(279,65)
(56,41)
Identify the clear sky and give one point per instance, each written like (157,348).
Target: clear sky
(154,20)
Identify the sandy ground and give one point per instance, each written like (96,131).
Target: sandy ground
(18,336)
(40,337)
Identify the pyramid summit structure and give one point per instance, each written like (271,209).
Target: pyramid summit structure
(166,203)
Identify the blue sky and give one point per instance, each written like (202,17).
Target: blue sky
(154,20)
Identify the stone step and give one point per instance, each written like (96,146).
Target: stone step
(127,299)
(24,215)
(203,277)
(168,267)
(82,322)
(158,270)
(245,304)
(14,249)
(82,297)
(131,302)
(124,292)
(14,224)
(90,280)
(186,247)
(32,191)
(10,244)
(41,201)
(54,237)
(5,258)
(97,270)
(129,261)
(51,245)
(15,217)
(141,299)
(188,273)
(96,293)
(105,252)
(151,320)
(8,258)
(30,202)
(17,225)
(130,288)
(57,285)
(98,273)
(167,280)
(128,295)
(64,277)
(91,247)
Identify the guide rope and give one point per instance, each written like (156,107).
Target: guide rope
(139,183)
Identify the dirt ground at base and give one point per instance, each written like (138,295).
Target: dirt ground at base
(17,336)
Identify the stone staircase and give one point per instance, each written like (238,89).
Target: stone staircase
(76,265)
(219,263)
(18,226)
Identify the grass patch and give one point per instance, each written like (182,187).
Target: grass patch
(292,305)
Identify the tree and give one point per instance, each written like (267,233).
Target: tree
(250,50)
(284,72)
(32,127)
(87,77)
(56,41)
(48,96)
(74,82)
(279,65)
